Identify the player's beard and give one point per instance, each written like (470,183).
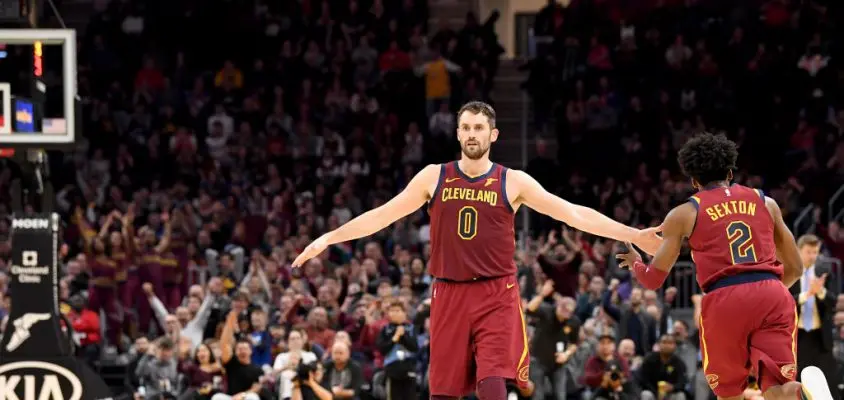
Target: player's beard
(476,151)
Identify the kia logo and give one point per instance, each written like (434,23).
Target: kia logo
(37,380)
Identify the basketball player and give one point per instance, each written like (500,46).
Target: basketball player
(478,337)
(746,260)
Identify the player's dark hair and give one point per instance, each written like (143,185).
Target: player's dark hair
(708,158)
(479,107)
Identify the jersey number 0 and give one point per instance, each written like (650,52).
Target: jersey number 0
(741,245)
(467,223)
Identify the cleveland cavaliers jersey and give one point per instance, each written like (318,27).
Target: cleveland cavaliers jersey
(733,234)
(472,225)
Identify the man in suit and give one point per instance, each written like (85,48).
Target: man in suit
(815,300)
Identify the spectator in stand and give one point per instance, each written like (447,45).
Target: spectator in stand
(588,301)
(627,350)
(342,374)
(310,388)
(203,376)
(605,374)
(399,345)
(157,370)
(687,350)
(86,329)
(243,379)
(561,261)
(317,328)
(663,374)
(192,318)
(260,337)
(554,342)
(633,322)
(287,364)
(139,349)
(438,87)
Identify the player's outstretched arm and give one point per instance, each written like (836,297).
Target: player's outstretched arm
(787,251)
(532,194)
(677,226)
(409,200)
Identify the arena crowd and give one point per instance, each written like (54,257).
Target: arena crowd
(221,138)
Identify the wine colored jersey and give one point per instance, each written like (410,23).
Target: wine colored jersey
(149,260)
(170,269)
(472,225)
(123,260)
(103,270)
(733,234)
(179,247)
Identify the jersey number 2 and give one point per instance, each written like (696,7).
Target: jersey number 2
(741,245)
(467,223)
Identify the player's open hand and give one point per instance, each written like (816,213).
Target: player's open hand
(648,240)
(313,250)
(627,259)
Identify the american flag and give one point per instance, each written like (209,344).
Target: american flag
(54,126)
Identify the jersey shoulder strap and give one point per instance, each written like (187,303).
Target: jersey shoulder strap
(503,172)
(440,180)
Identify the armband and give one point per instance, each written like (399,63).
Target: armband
(650,277)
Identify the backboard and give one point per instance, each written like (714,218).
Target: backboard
(38,91)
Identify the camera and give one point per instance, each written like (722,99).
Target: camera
(304,371)
(614,371)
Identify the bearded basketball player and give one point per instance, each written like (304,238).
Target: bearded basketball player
(478,337)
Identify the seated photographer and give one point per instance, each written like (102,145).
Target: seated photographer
(158,372)
(286,364)
(204,375)
(606,373)
(663,374)
(306,384)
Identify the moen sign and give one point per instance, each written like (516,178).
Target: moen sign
(36,359)
(31,223)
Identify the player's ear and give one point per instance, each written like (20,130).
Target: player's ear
(729,175)
(695,184)
(493,135)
